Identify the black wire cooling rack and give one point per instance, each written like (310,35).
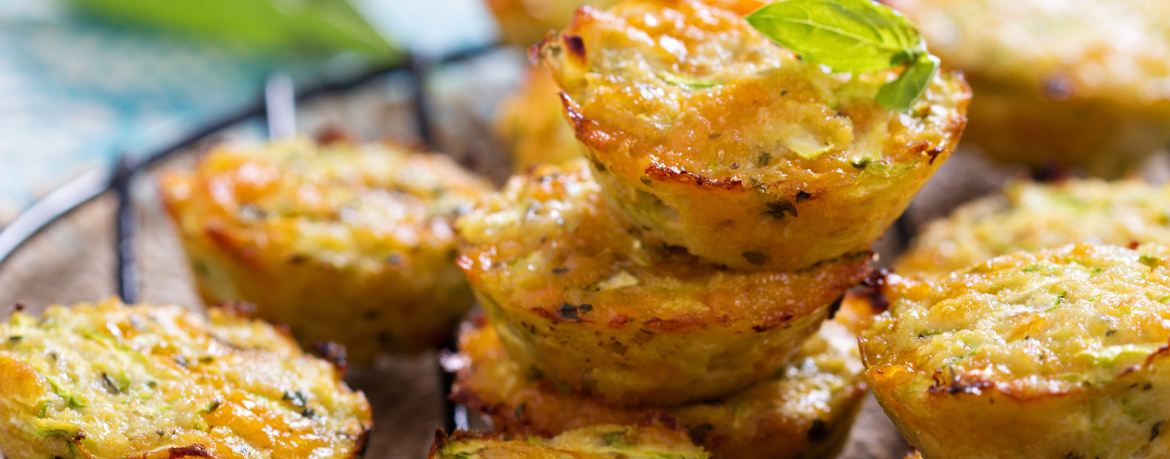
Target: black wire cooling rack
(278,108)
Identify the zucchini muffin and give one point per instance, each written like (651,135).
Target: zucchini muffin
(113,381)
(342,242)
(574,292)
(712,137)
(532,126)
(525,22)
(1075,82)
(531,122)
(1031,216)
(596,442)
(805,410)
(1058,353)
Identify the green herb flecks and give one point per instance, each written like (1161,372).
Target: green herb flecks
(853,36)
(1059,301)
(617,438)
(925,333)
(211,407)
(115,384)
(296,398)
(71,399)
(46,428)
(1149,260)
(686,83)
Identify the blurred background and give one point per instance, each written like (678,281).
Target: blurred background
(82,81)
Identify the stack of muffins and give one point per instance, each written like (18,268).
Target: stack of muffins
(681,273)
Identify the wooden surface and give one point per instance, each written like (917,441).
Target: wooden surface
(73,261)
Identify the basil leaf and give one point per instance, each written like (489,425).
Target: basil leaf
(686,83)
(901,93)
(855,36)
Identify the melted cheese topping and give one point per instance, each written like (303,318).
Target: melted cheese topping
(1031,323)
(343,204)
(1030,216)
(697,88)
(110,380)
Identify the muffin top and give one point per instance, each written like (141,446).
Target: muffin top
(1031,216)
(341,203)
(117,381)
(594,442)
(1067,49)
(1029,323)
(549,244)
(675,90)
(525,22)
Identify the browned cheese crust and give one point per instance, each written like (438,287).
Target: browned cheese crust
(575,292)
(525,22)
(1052,354)
(1030,216)
(709,136)
(110,381)
(342,242)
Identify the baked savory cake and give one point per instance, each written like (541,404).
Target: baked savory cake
(710,136)
(596,442)
(531,122)
(1057,353)
(804,410)
(574,292)
(1030,216)
(525,22)
(342,242)
(531,125)
(1073,82)
(108,380)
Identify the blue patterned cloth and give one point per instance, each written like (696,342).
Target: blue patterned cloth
(75,92)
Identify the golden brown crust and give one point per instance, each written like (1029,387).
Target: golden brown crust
(575,292)
(1049,354)
(343,242)
(525,22)
(774,419)
(714,138)
(1032,216)
(149,382)
(1078,83)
